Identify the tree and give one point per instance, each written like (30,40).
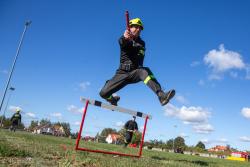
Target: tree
(21,126)
(136,139)
(148,144)
(97,136)
(122,133)
(74,135)
(228,147)
(2,120)
(170,144)
(66,127)
(7,123)
(179,142)
(201,145)
(33,124)
(106,131)
(45,122)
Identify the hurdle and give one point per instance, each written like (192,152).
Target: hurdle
(112,108)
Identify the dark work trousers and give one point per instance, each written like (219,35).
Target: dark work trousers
(14,125)
(123,78)
(128,137)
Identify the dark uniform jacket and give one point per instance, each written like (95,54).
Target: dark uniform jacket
(16,118)
(132,51)
(131,125)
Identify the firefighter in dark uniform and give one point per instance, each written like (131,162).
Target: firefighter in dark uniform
(130,127)
(16,120)
(131,69)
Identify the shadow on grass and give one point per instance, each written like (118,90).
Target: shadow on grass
(159,158)
(198,162)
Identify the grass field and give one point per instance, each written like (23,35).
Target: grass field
(26,149)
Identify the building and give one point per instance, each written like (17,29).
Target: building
(239,156)
(112,138)
(218,149)
(88,138)
(58,130)
(55,130)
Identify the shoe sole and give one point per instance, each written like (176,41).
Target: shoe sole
(114,103)
(170,96)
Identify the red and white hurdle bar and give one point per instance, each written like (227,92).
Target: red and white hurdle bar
(113,108)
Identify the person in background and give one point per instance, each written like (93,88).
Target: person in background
(16,120)
(130,127)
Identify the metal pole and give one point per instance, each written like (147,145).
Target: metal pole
(173,144)
(173,139)
(27,23)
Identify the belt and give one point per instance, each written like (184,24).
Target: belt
(127,67)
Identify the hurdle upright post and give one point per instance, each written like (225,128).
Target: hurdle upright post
(83,118)
(143,134)
(113,108)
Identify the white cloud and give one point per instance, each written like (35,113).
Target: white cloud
(206,141)
(187,114)
(201,82)
(171,110)
(195,63)
(119,124)
(77,123)
(4,72)
(222,60)
(56,115)
(99,126)
(162,135)
(181,99)
(234,74)
(30,115)
(214,141)
(222,140)
(83,85)
(141,128)
(246,112)
(184,135)
(203,128)
(245,139)
(197,117)
(248,71)
(215,76)
(74,109)
(14,108)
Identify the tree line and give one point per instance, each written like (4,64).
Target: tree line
(6,124)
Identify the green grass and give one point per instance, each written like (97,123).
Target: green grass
(26,149)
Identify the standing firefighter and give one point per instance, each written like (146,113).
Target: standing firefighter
(16,120)
(130,127)
(131,69)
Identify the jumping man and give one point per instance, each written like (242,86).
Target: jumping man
(131,69)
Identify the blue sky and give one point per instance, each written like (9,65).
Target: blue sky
(199,48)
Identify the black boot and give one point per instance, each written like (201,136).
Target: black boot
(165,97)
(113,100)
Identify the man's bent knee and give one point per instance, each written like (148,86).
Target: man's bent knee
(103,94)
